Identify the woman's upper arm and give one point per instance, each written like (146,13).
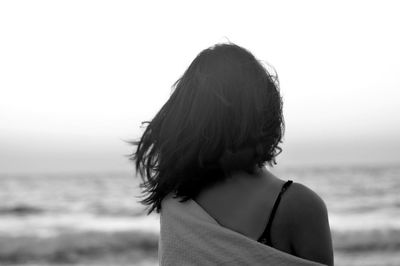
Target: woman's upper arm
(309,226)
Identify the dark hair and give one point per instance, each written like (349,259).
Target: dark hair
(224,115)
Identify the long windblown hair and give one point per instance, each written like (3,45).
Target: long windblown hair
(224,115)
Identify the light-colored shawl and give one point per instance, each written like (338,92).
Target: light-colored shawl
(190,236)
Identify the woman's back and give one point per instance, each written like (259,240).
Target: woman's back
(244,204)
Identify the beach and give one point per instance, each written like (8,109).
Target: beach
(95,219)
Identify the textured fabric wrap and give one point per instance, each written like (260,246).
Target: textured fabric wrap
(190,236)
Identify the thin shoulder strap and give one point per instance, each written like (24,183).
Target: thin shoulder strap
(266,235)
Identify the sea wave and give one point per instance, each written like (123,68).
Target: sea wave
(366,241)
(95,209)
(21,210)
(78,246)
(116,211)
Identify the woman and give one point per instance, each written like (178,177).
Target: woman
(209,144)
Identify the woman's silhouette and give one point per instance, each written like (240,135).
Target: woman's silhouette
(210,143)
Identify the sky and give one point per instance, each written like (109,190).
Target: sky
(78,77)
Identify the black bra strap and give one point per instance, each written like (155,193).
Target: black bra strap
(266,235)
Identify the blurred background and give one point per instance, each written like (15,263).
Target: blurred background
(77,78)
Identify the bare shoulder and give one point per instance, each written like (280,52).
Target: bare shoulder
(304,209)
(308,225)
(302,200)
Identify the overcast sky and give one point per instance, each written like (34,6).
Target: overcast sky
(78,77)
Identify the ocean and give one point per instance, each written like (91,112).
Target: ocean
(95,219)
